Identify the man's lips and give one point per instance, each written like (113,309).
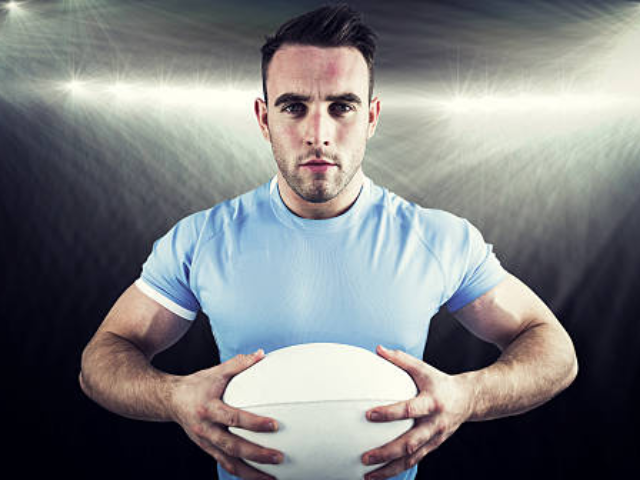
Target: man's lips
(317,161)
(318,166)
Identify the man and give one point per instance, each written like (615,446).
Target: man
(322,254)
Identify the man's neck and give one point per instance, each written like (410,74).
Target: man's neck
(332,208)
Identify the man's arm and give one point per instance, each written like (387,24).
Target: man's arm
(537,362)
(538,359)
(116,367)
(117,373)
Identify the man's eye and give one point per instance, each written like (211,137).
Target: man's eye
(294,108)
(341,107)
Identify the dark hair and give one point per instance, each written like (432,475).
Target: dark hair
(328,26)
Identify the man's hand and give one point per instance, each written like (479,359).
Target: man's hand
(198,408)
(441,406)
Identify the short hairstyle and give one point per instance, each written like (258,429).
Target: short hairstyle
(329,26)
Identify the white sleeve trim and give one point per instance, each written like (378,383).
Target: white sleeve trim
(164,301)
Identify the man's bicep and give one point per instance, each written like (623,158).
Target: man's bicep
(145,322)
(505,311)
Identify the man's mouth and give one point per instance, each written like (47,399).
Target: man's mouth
(317,165)
(317,161)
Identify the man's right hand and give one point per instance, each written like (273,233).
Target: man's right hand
(205,418)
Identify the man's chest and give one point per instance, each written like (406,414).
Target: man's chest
(301,291)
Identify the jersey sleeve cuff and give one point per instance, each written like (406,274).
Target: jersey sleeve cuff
(164,301)
(461,300)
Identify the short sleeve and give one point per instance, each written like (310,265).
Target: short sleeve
(475,270)
(166,273)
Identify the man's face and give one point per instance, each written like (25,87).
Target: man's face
(318,111)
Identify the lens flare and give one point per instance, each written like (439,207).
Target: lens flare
(13,8)
(150,94)
(74,86)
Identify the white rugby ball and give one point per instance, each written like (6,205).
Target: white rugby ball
(319,393)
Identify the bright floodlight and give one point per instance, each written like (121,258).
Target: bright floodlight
(13,9)
(157,94)
(74,86)
(123,91)
(13,6)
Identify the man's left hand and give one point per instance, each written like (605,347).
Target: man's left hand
(443,403)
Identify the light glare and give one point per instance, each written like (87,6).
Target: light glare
(621,71)
(527,103)
(74,86)
(13,6)
(160,94)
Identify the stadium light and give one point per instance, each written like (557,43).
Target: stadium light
(13,6)
(74,86)
(160,94)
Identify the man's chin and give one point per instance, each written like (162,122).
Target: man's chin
(317,194)
(314,190)
(317,197)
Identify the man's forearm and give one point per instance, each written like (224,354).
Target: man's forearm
(118,376)
(535,367)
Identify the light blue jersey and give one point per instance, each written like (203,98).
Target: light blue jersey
(266,278)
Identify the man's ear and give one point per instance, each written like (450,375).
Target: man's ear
(374,114)
(260,108)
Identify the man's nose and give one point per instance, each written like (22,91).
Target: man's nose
(319,129)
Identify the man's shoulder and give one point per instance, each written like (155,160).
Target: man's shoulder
(235,208)
(210,221)
(442,232)
(427,219)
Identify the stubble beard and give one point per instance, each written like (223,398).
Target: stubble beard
(317,187)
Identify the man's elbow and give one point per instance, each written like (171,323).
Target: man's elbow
(83,384)
(83,380)
(573,372)
(566,359)
(571,361)
(560,341)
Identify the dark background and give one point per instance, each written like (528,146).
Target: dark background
(86,189)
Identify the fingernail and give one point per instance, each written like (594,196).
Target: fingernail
(258,352)
(384,349)
(375,416)
(275,458)
(272,426)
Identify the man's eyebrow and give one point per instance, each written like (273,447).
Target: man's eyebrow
(344,97)
(291,97)
(294,97)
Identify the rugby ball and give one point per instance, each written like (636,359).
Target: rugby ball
(319,393)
